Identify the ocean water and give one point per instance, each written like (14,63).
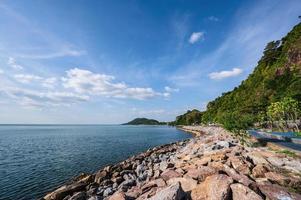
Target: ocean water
(35,159)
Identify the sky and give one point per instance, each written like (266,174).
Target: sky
(107,62)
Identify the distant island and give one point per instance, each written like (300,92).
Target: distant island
(144,121)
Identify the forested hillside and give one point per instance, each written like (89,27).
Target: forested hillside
(190,117)
(277,75)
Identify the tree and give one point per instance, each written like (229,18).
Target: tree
(283,111)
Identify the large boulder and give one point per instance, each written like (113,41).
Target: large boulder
(276,192)
(241,192)
(118,196)
(173,192)
(241,178)
(65,190)
(215,187)
(200,173)
(259,170)
(169,173)
(187,184)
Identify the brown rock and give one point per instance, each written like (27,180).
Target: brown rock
(239,165)
(259,170)
(276,192)
(215,187)
(173,192)
(65,190)
(278,178)
(187,184)
(202,161)
(238,177)
(118,196)
(216,165)
(201,173)
(220,156)
(241,192)
(256,158)
(154,183)
(169,173)
(100,176)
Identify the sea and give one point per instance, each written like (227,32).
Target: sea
(36,159)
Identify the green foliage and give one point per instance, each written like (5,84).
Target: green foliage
(189,118)
(282,111)
(144,121)
(277,77)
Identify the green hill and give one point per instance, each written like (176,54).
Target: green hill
(190,117)
(277,75)
(144,121)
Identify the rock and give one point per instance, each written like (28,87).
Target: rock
(241,178)
(215,187)
(140,169)
(201,173)
(65,190)
(78,196)
(134,192)
(276,192)
(278,178)
(157,174)
(169,173)
(259,170)
(100,176)
(202,161)
(118,196)
(218,166)
(187,184)
(276,161)
(239,165)
(108,192)
(128,183)
(173,192)
(165,165)
(256,158)
(95,198)
(241,192)
(219,156)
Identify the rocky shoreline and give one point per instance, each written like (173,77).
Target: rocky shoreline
(211,165)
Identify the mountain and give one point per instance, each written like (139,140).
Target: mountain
(144,121)
(276,76)
(190,117)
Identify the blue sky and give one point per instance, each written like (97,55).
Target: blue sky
(110,61)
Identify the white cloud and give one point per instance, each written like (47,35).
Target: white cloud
(87,82)
(196,36)
(1,71)
(49,82)
(169,89)
(225,74)
(34,98)
(213,18)
(65,52)
(27,78)
(13,64)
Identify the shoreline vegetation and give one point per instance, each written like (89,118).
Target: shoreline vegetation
(211,165)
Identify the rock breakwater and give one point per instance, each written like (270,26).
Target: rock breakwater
(212,165)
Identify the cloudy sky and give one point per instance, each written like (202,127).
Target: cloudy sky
(110,61)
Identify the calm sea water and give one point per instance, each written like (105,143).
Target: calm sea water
(35,159)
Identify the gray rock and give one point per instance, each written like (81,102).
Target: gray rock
(140,169)
(95,198)
(108,192)
(173,192)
